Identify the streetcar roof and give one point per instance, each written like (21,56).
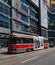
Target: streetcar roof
(22,36)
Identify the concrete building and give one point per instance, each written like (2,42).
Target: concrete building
(19,17)
(44,18)
(22,17)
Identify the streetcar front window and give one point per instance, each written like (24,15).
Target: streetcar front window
(45,41)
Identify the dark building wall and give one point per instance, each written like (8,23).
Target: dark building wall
(51,27)
(51,24)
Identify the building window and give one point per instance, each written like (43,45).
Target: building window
(33,22)
(51,27)
(33,14)
(24,8)
(24,18)
(52,17)
(53,8)
(33,30)
(22,27)
(51,33)
(6,1)
(44,33)
(4,9)
(4,22)
(32,6)
(24,1)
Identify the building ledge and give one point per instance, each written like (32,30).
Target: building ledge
(5,15)
(5,4)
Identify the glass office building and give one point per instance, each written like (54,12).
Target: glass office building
(51,25)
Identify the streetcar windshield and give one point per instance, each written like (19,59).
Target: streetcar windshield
(45,41)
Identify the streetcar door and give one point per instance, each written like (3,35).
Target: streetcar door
(36,43)
(41,40)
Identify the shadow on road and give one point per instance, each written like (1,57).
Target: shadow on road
(6,53)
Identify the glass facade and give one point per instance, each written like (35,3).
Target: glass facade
(53,8)
(44,33)
(52,17)
(24,18)
(4,9)
(4,22)
(31,10)
(23,27)
(51,26)
(33,22)
(24,1)
(33,14)
(6,1)
(3,43)
(24,8)
(29,4)
(51,33)
(33,30)
(32,6)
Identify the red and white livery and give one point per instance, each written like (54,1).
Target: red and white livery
(22,43)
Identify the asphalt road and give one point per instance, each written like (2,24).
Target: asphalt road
(45,59)
(42,57)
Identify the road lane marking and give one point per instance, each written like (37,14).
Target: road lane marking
(30,59)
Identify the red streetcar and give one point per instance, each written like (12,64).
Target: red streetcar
(22,43)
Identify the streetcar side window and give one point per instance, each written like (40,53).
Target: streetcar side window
(13,40)
(28,40)
(18,41)
(24,40)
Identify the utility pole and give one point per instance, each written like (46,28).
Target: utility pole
(11,18)
(40,17)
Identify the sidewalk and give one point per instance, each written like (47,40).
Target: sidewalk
(4,54)
(3,50)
